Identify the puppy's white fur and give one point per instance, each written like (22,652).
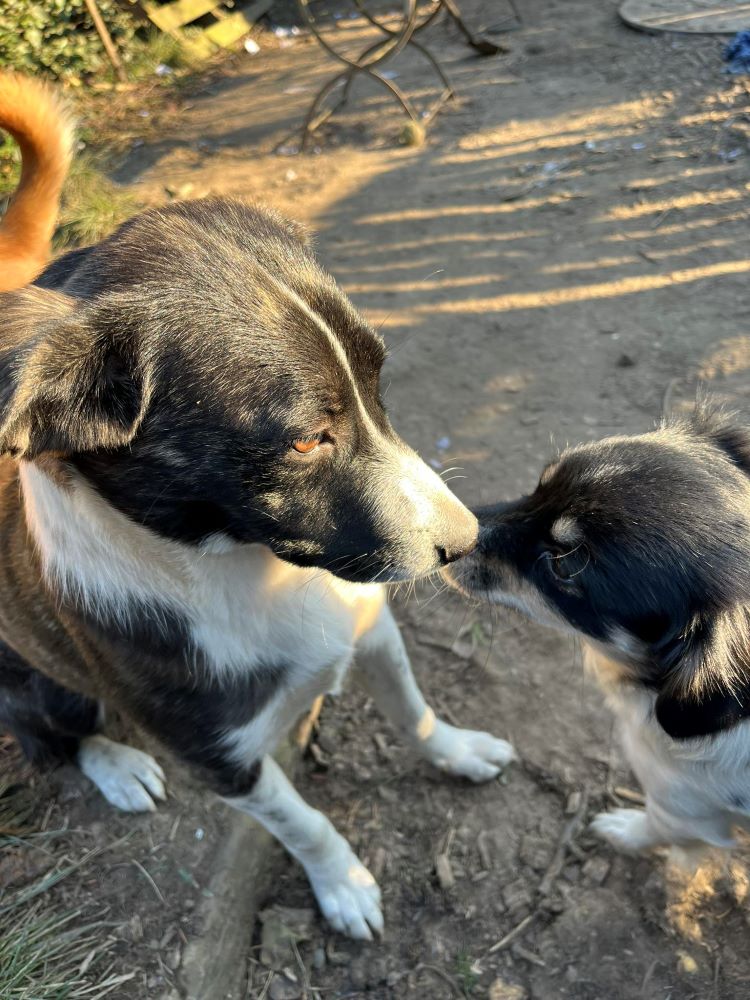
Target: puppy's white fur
(696,789)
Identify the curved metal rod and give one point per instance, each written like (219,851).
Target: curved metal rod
(483,46)
(312,122)
(420,48)
(390,31)
(399,41)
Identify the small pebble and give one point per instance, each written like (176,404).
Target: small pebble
(596,869)
(686,963)
(503,990)
(573,804)
(444,871)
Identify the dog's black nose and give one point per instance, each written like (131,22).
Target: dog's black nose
(446,556)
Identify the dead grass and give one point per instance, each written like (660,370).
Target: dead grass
(48,951)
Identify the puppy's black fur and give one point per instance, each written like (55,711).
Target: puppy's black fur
(641,545)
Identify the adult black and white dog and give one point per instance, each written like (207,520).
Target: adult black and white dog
(200,498)
(641,546)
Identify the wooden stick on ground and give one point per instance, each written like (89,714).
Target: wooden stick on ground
(306,727)
(106,38)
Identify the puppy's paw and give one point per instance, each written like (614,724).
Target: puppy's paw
(127,778)
(626,830)
(466,753)
(348,895)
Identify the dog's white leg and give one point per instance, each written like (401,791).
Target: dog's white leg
(383,664)
(127,778)
(632,830)
(347,893)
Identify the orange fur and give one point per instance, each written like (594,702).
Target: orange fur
(35,117)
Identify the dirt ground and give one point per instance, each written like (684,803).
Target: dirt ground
(565,256)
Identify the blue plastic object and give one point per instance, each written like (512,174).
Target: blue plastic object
(737,53)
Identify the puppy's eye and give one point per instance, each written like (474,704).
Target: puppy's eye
(306,445)
(565,566)
(559,566)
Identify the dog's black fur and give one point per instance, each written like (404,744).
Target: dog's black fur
(173,366)
(641,545)
(174,360)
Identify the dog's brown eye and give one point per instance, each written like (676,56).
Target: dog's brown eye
(305,445)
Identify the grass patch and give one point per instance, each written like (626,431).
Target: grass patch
(467,977)
(53,956)
(92,205)
(158,49)
(47,951)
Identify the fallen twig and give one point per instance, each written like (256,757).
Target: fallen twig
(629,795)
(511,936)
(264,992)
(150,881)
(529,956)
(436,970)
(570,829)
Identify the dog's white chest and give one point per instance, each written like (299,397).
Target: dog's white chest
(243,607)
(247,607)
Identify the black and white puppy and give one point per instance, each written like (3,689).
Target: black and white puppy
(200,498)
(641,546)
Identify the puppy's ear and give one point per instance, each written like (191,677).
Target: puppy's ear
(67,384)
(704,692)
(689,717)
(724,432)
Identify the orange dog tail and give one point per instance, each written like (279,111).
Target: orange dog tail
(37,120)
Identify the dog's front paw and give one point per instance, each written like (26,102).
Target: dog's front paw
(348,895)
(625,829)
(464,752)
(127,778)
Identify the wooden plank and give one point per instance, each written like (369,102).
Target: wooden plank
(701,16)
(172,17)
(234,26)
(175,15)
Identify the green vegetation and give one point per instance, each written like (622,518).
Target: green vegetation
(58,38)
(465,973)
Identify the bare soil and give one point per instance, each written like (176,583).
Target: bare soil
(565,256)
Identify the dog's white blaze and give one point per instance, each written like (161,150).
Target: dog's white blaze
(338,350)
(243,605)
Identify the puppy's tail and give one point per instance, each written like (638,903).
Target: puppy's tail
(37,120)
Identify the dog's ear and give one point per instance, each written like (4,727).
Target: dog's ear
(704,688)
(68,382)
